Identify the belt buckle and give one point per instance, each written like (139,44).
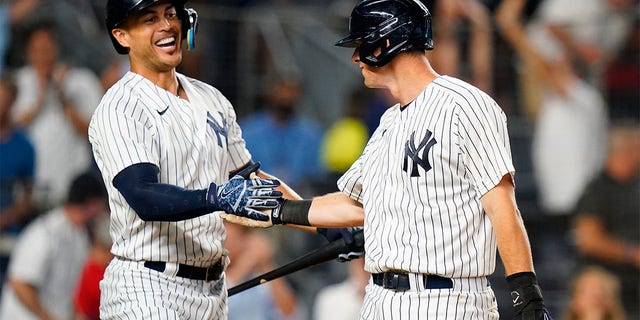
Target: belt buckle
(391,280)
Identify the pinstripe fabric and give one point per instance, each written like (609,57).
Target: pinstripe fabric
(193,142)
(431,220)
(180,298)
(428,304)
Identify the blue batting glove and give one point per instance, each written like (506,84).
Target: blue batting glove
(245,197)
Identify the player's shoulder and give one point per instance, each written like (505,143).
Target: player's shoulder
(464,94)
(457,88)
(123,98)
(123,91)
(200,86)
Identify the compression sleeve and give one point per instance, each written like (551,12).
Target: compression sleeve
(154,201)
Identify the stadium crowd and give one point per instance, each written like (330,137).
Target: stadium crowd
(566,75)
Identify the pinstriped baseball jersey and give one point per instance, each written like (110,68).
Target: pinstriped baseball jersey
(420,179)
(193,142)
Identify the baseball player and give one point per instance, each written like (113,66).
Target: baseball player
(434,186)
(166,145)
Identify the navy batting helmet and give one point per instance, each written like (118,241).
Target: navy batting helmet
(118,11)
(393,26)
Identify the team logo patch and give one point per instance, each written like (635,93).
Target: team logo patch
(418,154)
(220,128)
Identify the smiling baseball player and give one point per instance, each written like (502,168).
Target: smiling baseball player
(433,187)
(166,145)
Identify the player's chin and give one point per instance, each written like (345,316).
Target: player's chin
(171,60)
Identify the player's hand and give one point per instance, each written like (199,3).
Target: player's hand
(246,197)
(357,249)
(526,296)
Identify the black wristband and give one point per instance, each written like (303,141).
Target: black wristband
(295,212)
(525,292)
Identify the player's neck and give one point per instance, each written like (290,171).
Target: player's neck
(166,80)
(411,75)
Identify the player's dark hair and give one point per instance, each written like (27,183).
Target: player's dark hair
(84,187)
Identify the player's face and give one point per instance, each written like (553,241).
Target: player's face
(154,38)
(374,77)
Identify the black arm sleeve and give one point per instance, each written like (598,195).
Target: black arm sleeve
(154,201)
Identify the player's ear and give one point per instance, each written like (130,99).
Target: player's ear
(121,36)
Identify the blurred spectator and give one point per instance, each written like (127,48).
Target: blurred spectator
(590,34)
(569,139)
(251,254)
(55,102)
(17,163)
(48,257)
(343,301)
(622,78)
(17,169)
(376,105)
(82,39)
(568,148)
(286,143)
(87,295)
(11,12)
(595,295)
(5,31)
(608,216)
(460,25)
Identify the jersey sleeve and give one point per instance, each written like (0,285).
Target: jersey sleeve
(350,183)
(484,143)
(121,135)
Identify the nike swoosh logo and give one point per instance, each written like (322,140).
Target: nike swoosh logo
(163,111)
(225,193)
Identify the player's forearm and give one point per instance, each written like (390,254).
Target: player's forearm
(154,201)
(513,244)
(335,210)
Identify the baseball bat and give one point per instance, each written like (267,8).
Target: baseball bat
(325,253)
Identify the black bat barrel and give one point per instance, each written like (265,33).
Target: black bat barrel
(328,252)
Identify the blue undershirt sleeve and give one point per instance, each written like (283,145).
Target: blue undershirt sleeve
(154,201)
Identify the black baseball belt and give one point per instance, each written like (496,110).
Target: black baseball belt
(210,273)
(399,281)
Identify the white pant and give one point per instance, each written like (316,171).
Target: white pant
(470,298)
(131,291)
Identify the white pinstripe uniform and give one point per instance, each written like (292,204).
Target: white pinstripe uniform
(194,143)
(423,213)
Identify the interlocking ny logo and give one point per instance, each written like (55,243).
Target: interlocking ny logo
(219,129)
(418,155)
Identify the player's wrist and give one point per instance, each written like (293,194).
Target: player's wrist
(525,292)
(292,212)
(211,198)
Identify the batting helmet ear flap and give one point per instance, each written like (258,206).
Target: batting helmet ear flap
(190,27)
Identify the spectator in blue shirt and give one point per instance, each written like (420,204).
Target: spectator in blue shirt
(287,144)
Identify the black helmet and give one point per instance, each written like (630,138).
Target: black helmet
(118,11)
(406,24)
